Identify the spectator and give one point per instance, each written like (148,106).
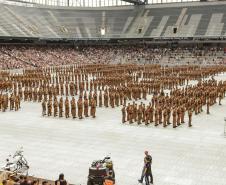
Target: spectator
(61,180)
(4,182)
(44,183)
(109,180)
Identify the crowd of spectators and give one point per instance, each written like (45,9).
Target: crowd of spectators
(17,56)
(7,61)
(12,179)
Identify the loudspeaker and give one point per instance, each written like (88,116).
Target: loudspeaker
(174,30)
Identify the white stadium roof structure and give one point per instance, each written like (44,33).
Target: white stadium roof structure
(191,20)
(90,3)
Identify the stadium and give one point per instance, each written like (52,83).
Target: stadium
(105,92)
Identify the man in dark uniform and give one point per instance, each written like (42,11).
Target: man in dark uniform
(43,108)
(147,172)
(123,114)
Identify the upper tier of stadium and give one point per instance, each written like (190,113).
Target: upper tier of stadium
(178,20)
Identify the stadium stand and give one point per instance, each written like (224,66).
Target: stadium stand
(17,179)
(16,57)
(186,20)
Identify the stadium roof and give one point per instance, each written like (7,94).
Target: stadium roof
(90,3)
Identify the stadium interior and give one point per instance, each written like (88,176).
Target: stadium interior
(82,79)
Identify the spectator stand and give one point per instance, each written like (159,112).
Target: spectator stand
(6,175)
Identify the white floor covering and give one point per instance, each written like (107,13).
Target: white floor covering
(181,156)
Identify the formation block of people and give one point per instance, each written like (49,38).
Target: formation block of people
(66,108)
(164,108)
(77,91)
(11,102)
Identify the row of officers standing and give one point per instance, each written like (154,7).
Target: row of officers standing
(69,108)
(149,114)
(11,102)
